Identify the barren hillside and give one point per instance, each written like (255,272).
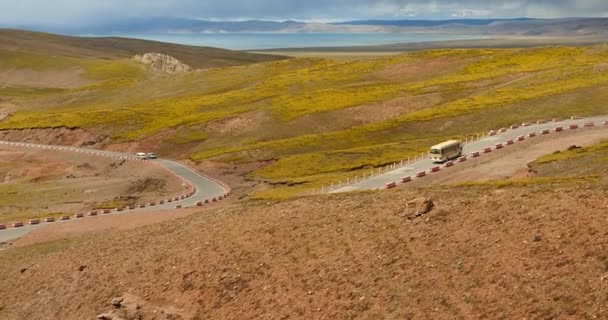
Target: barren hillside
(35,183)
(536,252)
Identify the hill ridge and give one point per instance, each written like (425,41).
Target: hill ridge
(123,48)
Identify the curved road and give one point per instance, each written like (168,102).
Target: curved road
(206,188)
(202,188)
(413,168)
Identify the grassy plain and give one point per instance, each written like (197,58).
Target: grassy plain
(317,120)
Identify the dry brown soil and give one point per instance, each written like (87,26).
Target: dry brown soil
(54,136)
(37,183)
(100,225)
(480,253)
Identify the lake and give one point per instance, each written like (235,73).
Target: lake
(257,41)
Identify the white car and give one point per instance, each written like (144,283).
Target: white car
(141,155)
(151,155)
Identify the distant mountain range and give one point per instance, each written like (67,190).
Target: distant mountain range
(428,23)
(519,26)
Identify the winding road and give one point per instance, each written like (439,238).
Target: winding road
(201,189)
(502,136)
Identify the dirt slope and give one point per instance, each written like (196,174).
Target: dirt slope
(535,253)
(111,47)
(37,183)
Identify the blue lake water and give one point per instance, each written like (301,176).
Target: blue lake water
(253,41)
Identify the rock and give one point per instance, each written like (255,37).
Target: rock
(427,206)
(537,238)
(105,316)
(81,268)
(162,62)
(418,207)
(117,302)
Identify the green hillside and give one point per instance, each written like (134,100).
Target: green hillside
(311,121)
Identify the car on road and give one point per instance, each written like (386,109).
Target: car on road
(151,155)
(141,155)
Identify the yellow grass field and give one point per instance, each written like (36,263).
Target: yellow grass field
(313,120)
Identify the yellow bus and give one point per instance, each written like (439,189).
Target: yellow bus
(446,151)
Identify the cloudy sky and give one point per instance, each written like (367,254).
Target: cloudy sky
(74,12)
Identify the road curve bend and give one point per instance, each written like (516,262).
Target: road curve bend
(200,189)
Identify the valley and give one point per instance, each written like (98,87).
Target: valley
(515,233)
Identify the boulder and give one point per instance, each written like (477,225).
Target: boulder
(162,62)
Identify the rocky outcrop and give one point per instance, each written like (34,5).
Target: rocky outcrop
(418,207)
(162,62)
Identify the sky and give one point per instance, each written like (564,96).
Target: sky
(78,12)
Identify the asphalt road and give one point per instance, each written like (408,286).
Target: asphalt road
(411,169)
(204,188)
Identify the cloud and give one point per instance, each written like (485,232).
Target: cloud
(466,13)
(74,12)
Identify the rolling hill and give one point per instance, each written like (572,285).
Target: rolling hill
(533,244)
(281,128)
(117,48)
